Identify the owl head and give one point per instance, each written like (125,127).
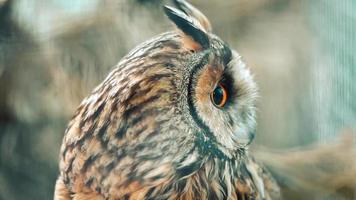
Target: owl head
(184,92)
(217,86)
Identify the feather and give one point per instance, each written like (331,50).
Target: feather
(188,26)
(190,10)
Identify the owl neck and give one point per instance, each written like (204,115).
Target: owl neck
(211,148)
(219,178)
(204,151)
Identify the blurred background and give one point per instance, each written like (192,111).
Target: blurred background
(54,52)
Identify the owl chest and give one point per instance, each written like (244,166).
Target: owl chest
(206,185)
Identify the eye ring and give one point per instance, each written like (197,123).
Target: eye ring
(219,96)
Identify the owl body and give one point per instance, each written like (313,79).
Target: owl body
(156,128)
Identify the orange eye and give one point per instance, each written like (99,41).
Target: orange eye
(219,96)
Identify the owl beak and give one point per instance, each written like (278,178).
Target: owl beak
(245,138)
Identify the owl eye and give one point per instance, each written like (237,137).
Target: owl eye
(219,96)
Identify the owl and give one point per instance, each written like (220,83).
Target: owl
(173,120)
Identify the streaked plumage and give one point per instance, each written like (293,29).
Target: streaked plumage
(151,131)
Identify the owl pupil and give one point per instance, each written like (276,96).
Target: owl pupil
(219,96)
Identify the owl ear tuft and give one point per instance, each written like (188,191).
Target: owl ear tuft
(196,14)
(195,36)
